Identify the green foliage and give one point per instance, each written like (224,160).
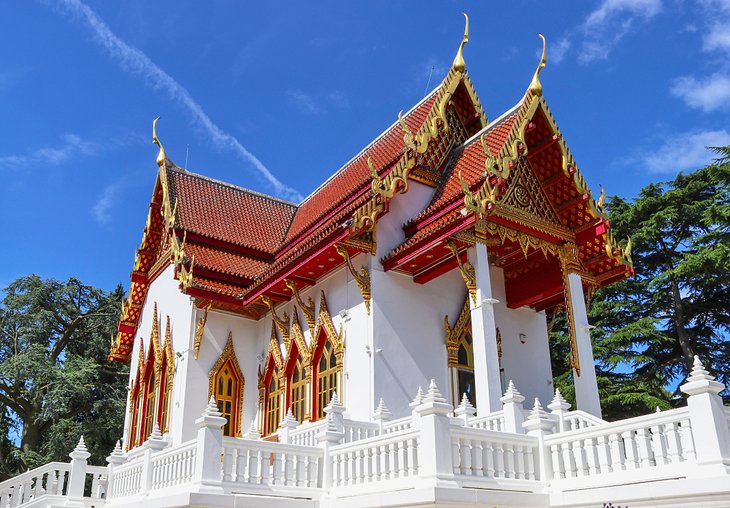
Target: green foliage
(55,381)
(649,327)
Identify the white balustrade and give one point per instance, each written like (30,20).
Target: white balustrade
(576,420)
(492,421)
(380,458)
(404,423)
(127,478)
(493,454)
(639,444)
(249,463)
(49,480)
(174,466)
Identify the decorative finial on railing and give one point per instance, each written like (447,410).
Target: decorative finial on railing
(212,408)
(382,412)
(558,403)
(465,410)
(433,394)
(289,421)
(417,399)
(459,64)
(537,411)
(253,431)
(156,434)
(118,448)
(535,85)
(80,452)
(511,395)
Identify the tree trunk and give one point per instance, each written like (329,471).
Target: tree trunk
(682,335)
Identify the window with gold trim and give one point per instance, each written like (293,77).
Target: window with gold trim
(274,391)
(298,390)
(149,403)
(226,384)
(466,383)
(329,372)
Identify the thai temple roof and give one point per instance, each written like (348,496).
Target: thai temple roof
(233,246)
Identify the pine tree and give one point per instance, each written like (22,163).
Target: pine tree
(55,380)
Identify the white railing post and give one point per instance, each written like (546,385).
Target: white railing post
(335,410)
(558,407)
(539,424)
(708,421)
(435,462)
(465,411)
(514,414)
(208,469)
(381,415)
(115,459)
(77,476)
(330,436)
(287,425)
(153,444)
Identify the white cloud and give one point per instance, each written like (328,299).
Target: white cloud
(717,37)
(71,146)
(604,27)
(106,201)
(557,51)
(707,94)
(684,152)
(136,62)
(303,101)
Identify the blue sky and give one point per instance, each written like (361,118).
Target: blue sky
(277,96)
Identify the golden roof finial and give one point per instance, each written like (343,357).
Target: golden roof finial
(536,86)
(459,64)
(155,140)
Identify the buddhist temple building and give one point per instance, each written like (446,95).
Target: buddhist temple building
(373,344)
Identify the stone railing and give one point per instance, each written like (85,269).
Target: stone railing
(55,482)
(484,454)
(263,466)
(433,446)
(653,444)
(393,456)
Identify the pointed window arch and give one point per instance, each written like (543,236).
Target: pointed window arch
(226,384)
(460,352)
(167,373)
(327,360)
(271,387)
(135,400)
(149,396)
(298,371)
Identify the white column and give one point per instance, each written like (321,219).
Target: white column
(586,387)
(484,335)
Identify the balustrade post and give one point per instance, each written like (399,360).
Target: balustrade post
(335,409)
(708,421)
(327,438)
(153,444)
(77,476)
(208,470)
(287,425)
(382,415)
(540,425)
(435,461)
(465,411)
(514,415)
(558,407)
(115,459)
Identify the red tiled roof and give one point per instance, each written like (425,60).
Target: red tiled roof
(225,261)
(228,213)
(355,175)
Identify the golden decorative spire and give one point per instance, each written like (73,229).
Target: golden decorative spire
(155,140)
(535,85)
(459,64)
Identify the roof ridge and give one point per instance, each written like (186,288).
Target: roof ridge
(369,145)
(186,172)
(492,125)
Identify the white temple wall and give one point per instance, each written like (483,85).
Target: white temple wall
(170,302)
(192,376)
(528,363)
(410,341)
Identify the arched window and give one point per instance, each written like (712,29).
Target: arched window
(328,374)
(298,390)
(226,383)
(465,369)
(274,391)
(135,401)
(149,400)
